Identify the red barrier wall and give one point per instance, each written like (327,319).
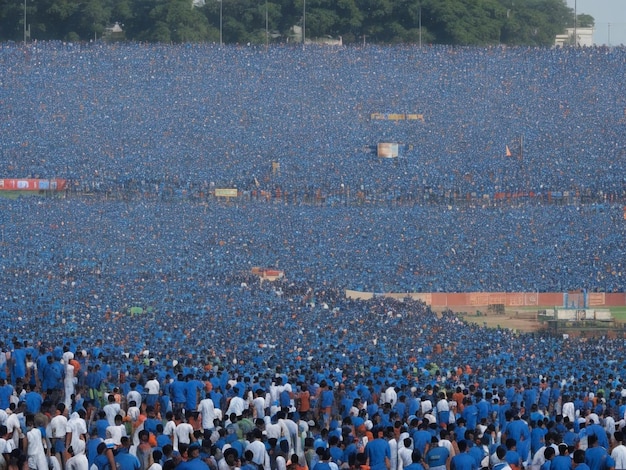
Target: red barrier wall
(466,300)
(32,184)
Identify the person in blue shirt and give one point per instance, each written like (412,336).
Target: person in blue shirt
(483,403)
(437,457)
(326,402)
(178,390)
(537,435)
(193,390)
(378,451)
(548,454)
(570,437)
(594,429)
(470,413)
(416,461)
(562,461)
(105,458)
(124,459)
(401,407)
(463,460)
(336,452)
(193,462)
(18,362)
(512,456)
(53,374)
(6,390)
(33,399)
(596,456)
(92,446)
(422,437)
(101,425)
(579,460)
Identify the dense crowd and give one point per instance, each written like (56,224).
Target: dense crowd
(195,115)
(136,336)
(71,251)
(307,377)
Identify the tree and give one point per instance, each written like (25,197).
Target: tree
(185,22)
(12,19)
(465,22)
(94,18)
(457,22)
(535,22)
(586,21)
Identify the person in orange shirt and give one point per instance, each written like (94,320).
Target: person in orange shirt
(303,398)
(458,396)
(294,463)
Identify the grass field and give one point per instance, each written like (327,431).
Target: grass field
(619,313)
(19,194)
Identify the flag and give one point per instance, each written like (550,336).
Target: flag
(508,152)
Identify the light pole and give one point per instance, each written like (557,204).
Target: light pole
(420,25)
(24,21)
(576,23)
(303,22)
(221,42)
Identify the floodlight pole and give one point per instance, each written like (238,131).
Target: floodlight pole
(575,23)
(420,25)
(221,41)
(303,22)
(24,21)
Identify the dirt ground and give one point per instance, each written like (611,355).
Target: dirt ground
(505,321)
(511,319)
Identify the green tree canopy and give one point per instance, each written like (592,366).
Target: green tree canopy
(455,22)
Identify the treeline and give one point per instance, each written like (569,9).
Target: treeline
(455,22)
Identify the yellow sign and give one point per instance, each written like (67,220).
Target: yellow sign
(396,117)
(226,192)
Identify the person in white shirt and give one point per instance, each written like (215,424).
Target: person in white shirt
(170,426)
(111,409)
(37,459)
(77,427)
(152,389)
(13,424)
(157,455)
(538,459)
(618,454)
(390,396)
(57,430)
(273,430)
(117,431)
(259,404)
(230,460)
(207,413)
(78,459)
(236,405)
(568,409)
(69,384)
(183,434)
(405,453)
(134,395)
(257,447)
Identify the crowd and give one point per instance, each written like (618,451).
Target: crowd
(182,117)
(68,252)
(310,380)
(136,336)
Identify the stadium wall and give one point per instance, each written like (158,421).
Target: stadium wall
(456,300)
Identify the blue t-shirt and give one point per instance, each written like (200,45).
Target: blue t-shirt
(377,452)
